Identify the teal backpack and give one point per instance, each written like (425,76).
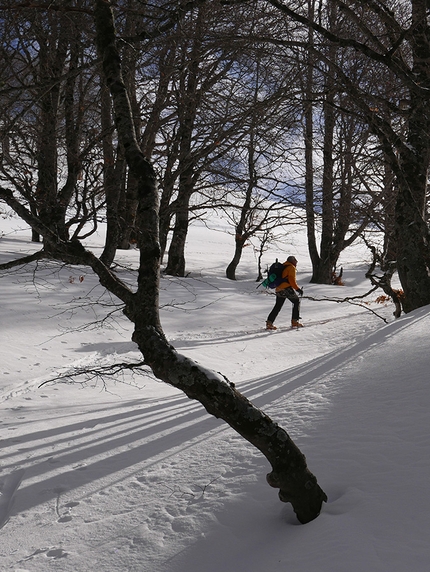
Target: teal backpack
(274,275)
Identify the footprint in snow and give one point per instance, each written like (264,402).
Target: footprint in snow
(71,504)
(67,517)
(56,553)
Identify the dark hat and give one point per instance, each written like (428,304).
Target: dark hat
(292,259)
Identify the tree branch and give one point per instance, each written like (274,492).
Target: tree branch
(387,58)
(350,300)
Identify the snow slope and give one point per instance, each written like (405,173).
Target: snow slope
(128,475)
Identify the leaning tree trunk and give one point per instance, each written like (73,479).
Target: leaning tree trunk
(220,398)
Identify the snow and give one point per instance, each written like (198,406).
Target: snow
(127,474)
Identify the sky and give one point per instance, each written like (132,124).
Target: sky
(126,474)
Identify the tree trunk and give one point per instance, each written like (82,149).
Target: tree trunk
(47,155)
(323,273)
(231,268)
(388,204)
(412,239)
(289,470)
(127,209)
(346,166)
(176,258)
(129,202)
(412,235)
(111,181)
(309,148)
(53,53)
(187,112)
(242,232)
(73,119)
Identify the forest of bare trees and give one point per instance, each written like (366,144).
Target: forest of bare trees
(143,117)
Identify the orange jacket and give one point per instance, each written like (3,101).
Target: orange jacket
(288,277)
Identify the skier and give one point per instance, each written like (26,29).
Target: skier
(287,289)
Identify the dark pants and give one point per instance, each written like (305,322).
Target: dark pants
(281,296)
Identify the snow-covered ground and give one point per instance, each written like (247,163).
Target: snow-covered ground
(128,475)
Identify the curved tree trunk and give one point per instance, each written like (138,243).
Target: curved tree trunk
(220,398)
(241,235)
(289,471)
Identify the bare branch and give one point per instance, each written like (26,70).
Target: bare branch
(351,300)
(100,373)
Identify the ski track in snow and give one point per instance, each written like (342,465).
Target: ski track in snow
(262,391)
(138,478)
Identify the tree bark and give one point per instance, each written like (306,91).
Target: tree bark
(230,271)
(323,270)
(323,273)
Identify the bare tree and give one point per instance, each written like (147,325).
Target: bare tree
(334,142)
(257,177)
(47,98)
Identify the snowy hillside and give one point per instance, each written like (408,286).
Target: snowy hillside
(128,475)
